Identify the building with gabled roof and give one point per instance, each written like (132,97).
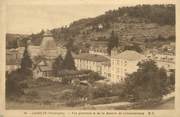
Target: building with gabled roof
(42,68)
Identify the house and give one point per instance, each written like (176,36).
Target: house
(91,62)
(124,63)
(42,69)
(42,72)
(100,26)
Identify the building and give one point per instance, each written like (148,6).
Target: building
(91,62)
(34,51)
(47,47)
(124,63)
(12,61)
(99,51)
(99,46)
(164,60)
(42,69)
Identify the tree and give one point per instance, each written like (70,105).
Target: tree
(93,76)
(171,82)
(68,62)
(172,78)
(70,44)
(134,47)
(149,82)
(26,63)
(113,42)
(57,65)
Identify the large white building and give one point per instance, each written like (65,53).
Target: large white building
(92,62)
(123,64)
(115,69)
(106,69)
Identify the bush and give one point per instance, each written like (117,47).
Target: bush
(73,102)
(33,94)
(66,94)
(43,80)
(147,83)
(13,89)
(102,90)
(23,85)
(93,76)
(105,100)
(46,102)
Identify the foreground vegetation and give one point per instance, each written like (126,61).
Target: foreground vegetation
(147,85)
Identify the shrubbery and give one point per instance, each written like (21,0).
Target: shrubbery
(149,82)
(105,100)
(33,94)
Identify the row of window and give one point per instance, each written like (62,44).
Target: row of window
(119,62)
(79,61)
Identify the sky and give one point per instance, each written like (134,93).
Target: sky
(31,18)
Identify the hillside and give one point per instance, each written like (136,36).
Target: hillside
(138,24)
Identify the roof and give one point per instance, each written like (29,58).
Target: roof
(48,43)
(72,72)
(45,68)
(91,57)
(130,55)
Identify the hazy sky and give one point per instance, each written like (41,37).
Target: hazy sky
(32,18)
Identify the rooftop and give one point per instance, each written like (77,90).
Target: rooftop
(91,57)
(45,68)
(48,43)
(129,55)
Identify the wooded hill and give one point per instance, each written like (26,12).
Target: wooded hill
(136,24)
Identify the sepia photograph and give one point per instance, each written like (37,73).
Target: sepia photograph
(90,57)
